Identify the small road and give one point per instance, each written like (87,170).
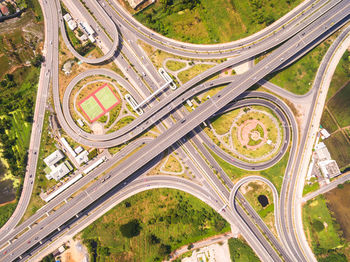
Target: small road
(326,188)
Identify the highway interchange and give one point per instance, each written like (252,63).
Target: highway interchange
(296,33)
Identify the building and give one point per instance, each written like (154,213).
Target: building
(78,150)
(59,171)
(324,133)
(329,168)
(135,3)
(92,39)
(52,159)
(322,152)
(67,17)
(72,25)
(325,165)
(87,28)
(82,157)
(67,146)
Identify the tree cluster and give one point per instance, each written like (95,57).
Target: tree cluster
(259,14)
(13,97)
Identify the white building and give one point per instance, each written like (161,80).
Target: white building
(72,25)
(87,28)
(92,39)
(82,157)
(60,171)
(67,17)
(52,159)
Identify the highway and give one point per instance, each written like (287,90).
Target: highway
(272,35)
(35,138)
(325,22)
(91,140)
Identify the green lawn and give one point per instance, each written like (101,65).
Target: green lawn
(149,225)
(327,122)
(91,108)
(4,62)
(339,106)
(21,130)
(106,97)
(6,212)
(240,251)
(188,74)
(298,77)
(222,123)
(322,232)
(212,21)
(121,123)
(175,65)
(275,173)
(312,187)
(341,75)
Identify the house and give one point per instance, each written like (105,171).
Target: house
(58,172)
(52,159)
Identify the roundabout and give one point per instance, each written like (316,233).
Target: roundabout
(252,133)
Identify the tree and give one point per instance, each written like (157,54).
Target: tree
(131,229)
(104,251)
(317,225)
(190,246)
(153,239)
(48,258)
(164,250)
(340,186)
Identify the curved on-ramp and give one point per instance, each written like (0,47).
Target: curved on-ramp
(107,56)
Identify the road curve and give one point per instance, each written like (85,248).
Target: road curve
(99,60)
(232,201)
(289,24)
(256,98)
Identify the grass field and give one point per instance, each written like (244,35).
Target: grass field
(6,212)
(222,123)
(322,232)
(212,21)
(21,131)
(107,97)
(339,106)
(147,226)
(91,108)
(188,74)
(327,122)
(175,65)
(312,187)
(274,174)
(172,165)
(338,201)
(339,148)
(251,192)
(341,75)
(240,251)
(298,77)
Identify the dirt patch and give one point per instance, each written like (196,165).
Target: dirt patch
(75,253)
(338,201)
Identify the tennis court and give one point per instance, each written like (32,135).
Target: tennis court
(98,103)
(106,97)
